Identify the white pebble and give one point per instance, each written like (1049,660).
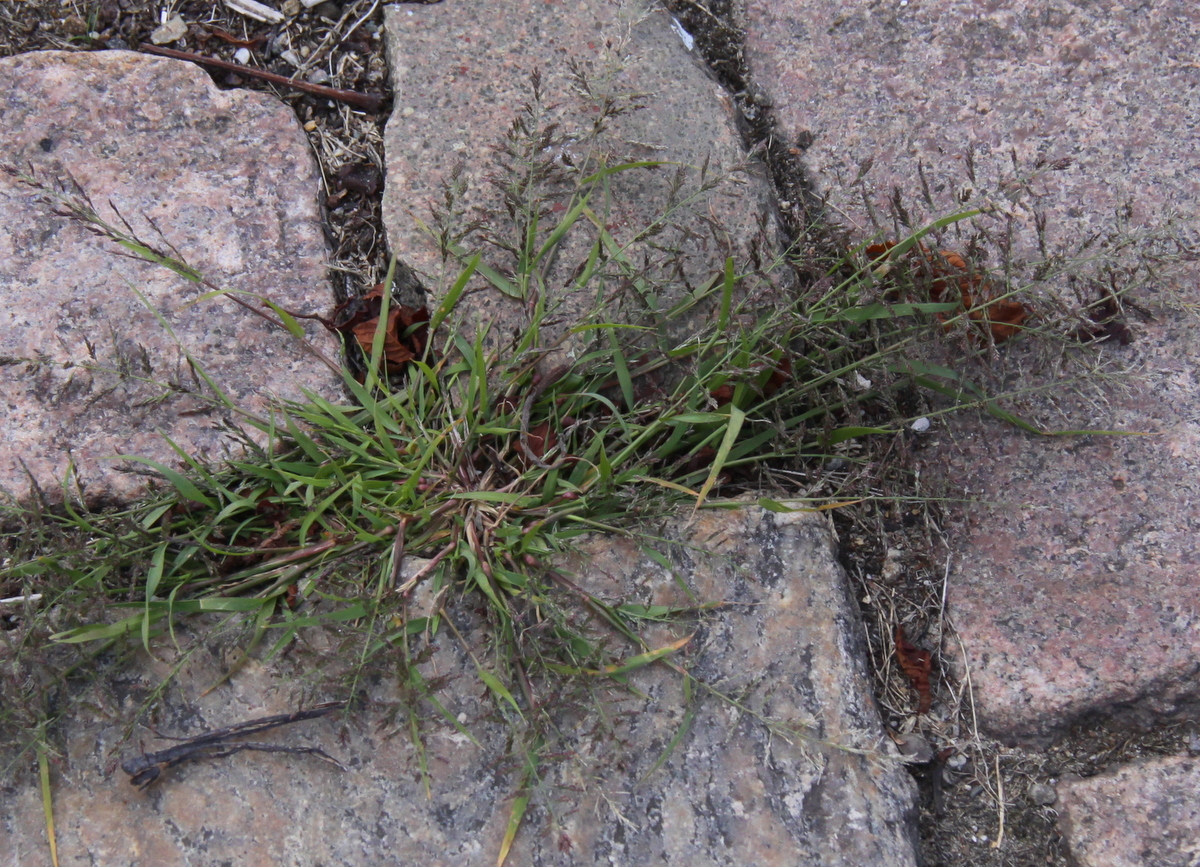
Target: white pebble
(920,425)
(242,56)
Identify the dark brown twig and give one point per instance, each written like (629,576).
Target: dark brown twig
(366,101)
(146,768)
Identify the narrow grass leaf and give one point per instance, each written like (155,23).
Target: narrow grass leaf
(736,417)
(153,577)
(293,327)
(186,488)
(685,726)
(451,300)
(47,800)
(644,659)
(498,688)
(726,296)
(848,433)
(515,816)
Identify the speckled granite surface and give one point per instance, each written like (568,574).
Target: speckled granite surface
(462,72)
(1142,814)
(732,792)
(89,372)
(1077,589)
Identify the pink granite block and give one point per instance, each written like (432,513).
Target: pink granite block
(731,791)
(1077,580)
(90,372)
(461,74)
(1144,815)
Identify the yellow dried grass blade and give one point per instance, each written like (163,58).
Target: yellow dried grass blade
(47,801)
(514,823)
(644,659)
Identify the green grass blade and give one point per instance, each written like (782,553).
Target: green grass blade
(734,427)
(451,300)
(515,816)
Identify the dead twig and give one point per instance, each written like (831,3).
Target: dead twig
(218,743)
(370,102)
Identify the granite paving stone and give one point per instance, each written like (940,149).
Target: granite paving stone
(89,370)
(462,73)
(816,784)
(1077,575)
(1140,815)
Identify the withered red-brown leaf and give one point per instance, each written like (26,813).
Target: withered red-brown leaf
(253,44)
(542,439)
(780,374)
(393,349)
(917,665)
(722,394)
(1003,317)
(402,342)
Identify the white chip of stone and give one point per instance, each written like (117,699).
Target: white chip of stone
(309,4)
(290,56)
(257,11)
(169,31)
(861,382)
(242,56)
(689,41)
(920,425)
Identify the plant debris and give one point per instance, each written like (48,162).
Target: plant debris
(218,743)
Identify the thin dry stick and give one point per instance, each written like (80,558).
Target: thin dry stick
(1000,798)
(369,102)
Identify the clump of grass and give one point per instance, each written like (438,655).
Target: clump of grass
(472,467)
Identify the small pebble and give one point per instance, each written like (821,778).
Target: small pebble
(920,425)
(318,76)
(290,56)
(242,56)
(1043,794)
(329,11)
(915,748)
(171,31)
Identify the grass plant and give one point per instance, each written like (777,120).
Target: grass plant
(472,467)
